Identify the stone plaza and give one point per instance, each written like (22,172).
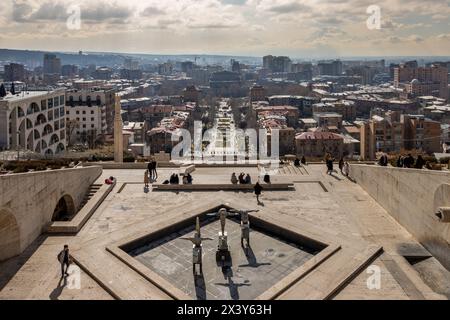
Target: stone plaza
(128,246)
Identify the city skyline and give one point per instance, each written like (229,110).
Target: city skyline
(309,28)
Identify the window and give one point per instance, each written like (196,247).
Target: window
(61,100)
(43,105)
(84,111)
(56,101)
(50,103)
(92,119)
(61,111)
(56,113)
(92,111)
(78,112)
(84,119)
(92,126)
(84,126)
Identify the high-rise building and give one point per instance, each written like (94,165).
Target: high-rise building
(277,64)
(52,64)
(267,62)
(258,93)
(51,69)
(131,64)
(69,70)
(422,81)
(14,72)
(330,68)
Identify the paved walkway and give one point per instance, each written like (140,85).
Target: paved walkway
(331,207)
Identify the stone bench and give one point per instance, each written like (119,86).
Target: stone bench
(187,170)
(222,187)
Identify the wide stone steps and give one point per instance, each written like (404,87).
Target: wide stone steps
(289,170)
(93,189)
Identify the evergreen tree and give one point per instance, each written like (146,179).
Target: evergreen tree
(2,91)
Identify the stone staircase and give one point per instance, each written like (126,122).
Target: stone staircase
(288,170)
(93,189)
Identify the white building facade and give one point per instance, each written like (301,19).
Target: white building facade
(86,110)
(34,121)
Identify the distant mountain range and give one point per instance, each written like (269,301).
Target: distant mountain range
(32,58)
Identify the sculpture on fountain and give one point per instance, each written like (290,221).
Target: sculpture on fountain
(223,255)
(245,227)
(197,251)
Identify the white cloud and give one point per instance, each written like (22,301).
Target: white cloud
(227,25)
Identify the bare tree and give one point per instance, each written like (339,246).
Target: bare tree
(71,125)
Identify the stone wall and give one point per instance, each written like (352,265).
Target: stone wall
(412,197)
(28,201)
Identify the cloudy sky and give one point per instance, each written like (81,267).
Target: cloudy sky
(298,28)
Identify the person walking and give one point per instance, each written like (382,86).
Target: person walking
(346,169)
(258,189)
(341,165)
(329,163)
(154,170)
(146,178)
(149,168)
(64,260)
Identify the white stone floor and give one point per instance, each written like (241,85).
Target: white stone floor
(343,210)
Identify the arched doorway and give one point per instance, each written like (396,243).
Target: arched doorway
(64,210)
(9,235)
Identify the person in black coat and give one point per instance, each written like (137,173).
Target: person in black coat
(258,189)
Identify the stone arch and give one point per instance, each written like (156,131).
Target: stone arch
(17,112)
(29,124)
(60,148)
(54,139)
(33,108)
(9,235)
(37,135)
(47,130)
(41,119)
(49,152)
(64,209)
(30,140)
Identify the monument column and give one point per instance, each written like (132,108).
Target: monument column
(118,136)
